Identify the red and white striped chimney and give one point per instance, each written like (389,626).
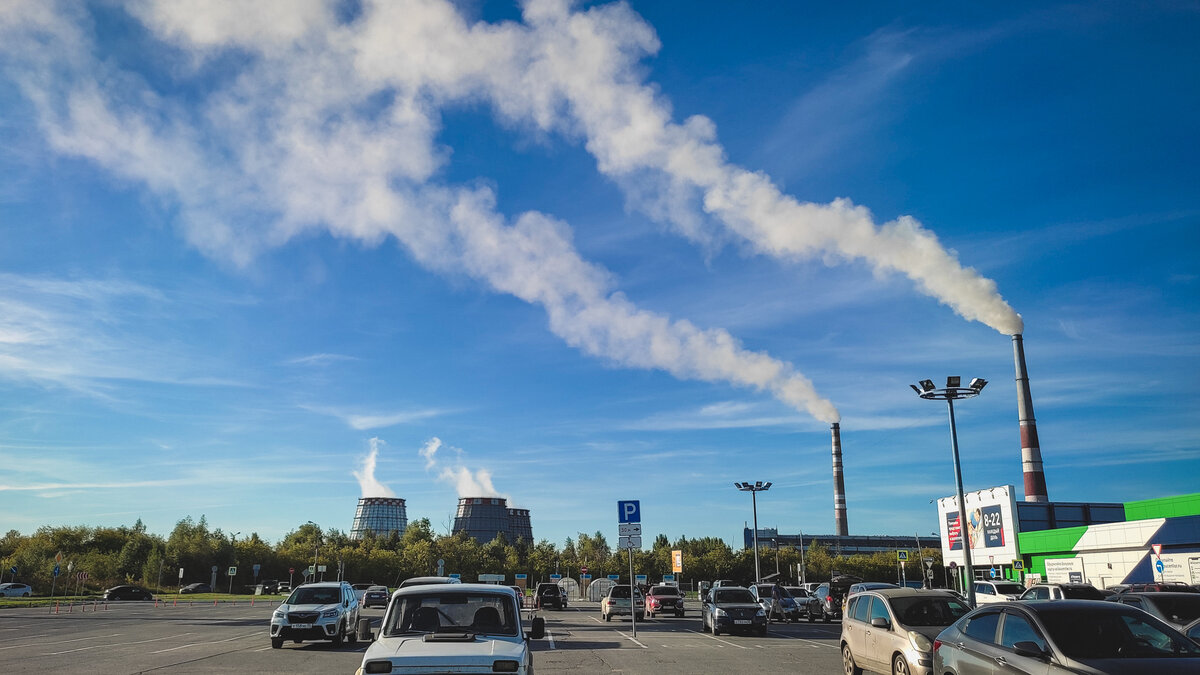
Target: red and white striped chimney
(839,485)
(1031,452)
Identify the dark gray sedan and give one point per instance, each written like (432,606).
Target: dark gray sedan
(1177,609)
(732,609)
(1085,637)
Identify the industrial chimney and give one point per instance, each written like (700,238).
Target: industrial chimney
(1031,452)
(839,485)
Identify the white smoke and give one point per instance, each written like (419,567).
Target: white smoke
(333,125)
(467,483)
(370,486)
(429,452)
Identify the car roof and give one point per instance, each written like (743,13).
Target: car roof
(415,581)
(322,584)
(418,589)
(1066,605)
(910,592)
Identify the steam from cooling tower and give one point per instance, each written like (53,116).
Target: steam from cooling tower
(841,528)
(467,482)
(367,482)
(1031,451)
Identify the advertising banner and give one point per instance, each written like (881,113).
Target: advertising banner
(989,529)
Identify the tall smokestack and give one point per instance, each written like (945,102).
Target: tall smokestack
(839,485)
(1031,452)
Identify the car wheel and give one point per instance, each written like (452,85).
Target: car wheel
(24,595)
(338,636)
(825,618)
(715,630)
(900,665)
(352,636)
(848,664)
(276,643)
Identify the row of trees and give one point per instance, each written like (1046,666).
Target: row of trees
(131,555)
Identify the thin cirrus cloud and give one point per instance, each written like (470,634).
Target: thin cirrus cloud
(366,421)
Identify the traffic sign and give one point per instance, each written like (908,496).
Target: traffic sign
(1157,549)
(585,576)
(291,570)
(583,570)
(668,577)
(629,529)
(57,570)
(953,564)
(1018,565)
(615,577)
(1158,565)
(641,578)
(902,555)
(257,567)
(13,569)
(320,568)
(677,562)
(521,576)
(180,572)
(629,542)
(555,577)
(232,571)
(629,511)
(995,572)
(456,575)
(929,563)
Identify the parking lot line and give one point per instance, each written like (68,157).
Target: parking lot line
(797,637)
(213,642)
(43,644)
(117,644)
(713,637)
(631,639)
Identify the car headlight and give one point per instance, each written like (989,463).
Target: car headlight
(760,613)
(279,613)
(919,642)
(720,612)
(330,614)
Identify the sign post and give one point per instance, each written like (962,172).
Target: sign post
(629,531)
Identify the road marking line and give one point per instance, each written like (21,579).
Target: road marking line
(634,641)
(43,644)
(550,636)
(213,642)
(117,644)
(797,637)
(713,637)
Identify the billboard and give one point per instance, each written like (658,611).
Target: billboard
(989,528)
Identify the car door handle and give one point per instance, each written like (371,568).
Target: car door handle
(1000,661)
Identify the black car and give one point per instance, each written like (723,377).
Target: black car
(732,609)
(195,588)
(549,595)
(128,593)
(376,596)
(826,601)
(270,586)
(1177,609)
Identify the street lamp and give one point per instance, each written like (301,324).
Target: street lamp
(754,489)
(954,390)
(316,545)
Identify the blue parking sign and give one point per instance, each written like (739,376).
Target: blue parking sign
(629,511)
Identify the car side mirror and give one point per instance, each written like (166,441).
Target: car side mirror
(538,630)
(1029,649)
(880,622)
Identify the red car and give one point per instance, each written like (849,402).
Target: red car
(664,599)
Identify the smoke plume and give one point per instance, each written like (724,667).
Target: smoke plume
(367,482)
(466,482)
(331,124)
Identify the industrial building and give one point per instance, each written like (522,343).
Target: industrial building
(483,518)
(380,515)
(840,544)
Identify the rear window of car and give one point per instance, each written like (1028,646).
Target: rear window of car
(928,611)
(663,590)
(619,592)
(1177,609)
(1082,593)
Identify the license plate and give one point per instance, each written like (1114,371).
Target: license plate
(302,626)
(741,621)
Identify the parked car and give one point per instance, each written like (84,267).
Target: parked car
(1168,587)
(15,590)
(421,581)
(1062,592)
(864,586)
(826,601)
(128,593)
(776,601)
(360,590)
(376,596)
(1177,609)
(270,586)
(892,630)
(617,603)
(1192,630)
(987,592)
(460,628)
(732,609)
(549,594)
(326,610)
(197,587)
(284,588)
(664,599)
(1080,637)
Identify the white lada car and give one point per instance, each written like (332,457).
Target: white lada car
(459,628)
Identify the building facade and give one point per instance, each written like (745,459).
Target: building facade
(380,515)
(483,518)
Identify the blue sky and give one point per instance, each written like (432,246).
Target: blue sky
(257,261)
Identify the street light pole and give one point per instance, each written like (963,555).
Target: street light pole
(754,489)
(954,390)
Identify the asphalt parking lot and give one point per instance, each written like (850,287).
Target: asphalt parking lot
(138,637)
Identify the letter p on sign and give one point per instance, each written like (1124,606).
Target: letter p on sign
(629,512)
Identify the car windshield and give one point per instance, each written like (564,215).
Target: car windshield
(315,596)
(1010,589)
(1177,609)
(732,595)
(663,590)
(488,613)
(1083,634)
(928,611)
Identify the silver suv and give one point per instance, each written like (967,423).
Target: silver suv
(323,611)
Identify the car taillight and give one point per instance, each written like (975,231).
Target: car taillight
(936,643)
(829,599)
